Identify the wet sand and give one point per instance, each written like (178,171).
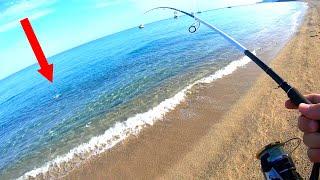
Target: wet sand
(217,131)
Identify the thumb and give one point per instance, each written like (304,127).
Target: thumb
(311,111)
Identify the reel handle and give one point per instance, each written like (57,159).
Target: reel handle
(297,98)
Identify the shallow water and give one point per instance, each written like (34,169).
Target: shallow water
(116,77)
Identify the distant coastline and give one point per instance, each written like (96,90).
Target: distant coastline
(264,1)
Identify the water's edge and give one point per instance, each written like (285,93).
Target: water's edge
(120,131)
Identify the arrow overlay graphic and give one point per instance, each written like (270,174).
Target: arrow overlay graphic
(46,69)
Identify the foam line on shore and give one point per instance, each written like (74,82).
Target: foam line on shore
(61,165)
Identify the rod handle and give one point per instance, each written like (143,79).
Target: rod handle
(296,97)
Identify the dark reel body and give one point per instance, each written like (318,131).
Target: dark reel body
(277,164)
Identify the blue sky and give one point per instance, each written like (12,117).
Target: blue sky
(61,25)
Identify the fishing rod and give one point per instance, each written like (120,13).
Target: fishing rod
(295,96)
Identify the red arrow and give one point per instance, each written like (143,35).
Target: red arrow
(46,69)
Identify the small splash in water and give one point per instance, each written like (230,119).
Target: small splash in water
(88,124)
(57,96)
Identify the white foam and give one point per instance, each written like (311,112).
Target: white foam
(120,131)
(296,18)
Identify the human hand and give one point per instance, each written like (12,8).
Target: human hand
(308,122)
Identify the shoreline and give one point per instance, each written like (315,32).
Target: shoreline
(180,125)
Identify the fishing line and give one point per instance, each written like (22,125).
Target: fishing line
(290,140)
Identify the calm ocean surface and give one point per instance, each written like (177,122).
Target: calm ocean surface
(115,77)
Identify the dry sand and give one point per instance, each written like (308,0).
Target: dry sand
(216,133)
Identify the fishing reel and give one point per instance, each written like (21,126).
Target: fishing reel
(276,162)
(194,27)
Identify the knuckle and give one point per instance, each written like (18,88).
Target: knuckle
(316,110)
(300,118)
(301,126)
(313,94)
(313,112)
(305,125)
(313,126)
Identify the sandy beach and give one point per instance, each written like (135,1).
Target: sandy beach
(217,131)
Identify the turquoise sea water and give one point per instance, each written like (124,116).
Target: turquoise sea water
(116,77)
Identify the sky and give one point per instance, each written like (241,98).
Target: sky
(61,25)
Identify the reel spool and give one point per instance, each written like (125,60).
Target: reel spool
(276,163)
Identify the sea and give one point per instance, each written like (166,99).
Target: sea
(111,88)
